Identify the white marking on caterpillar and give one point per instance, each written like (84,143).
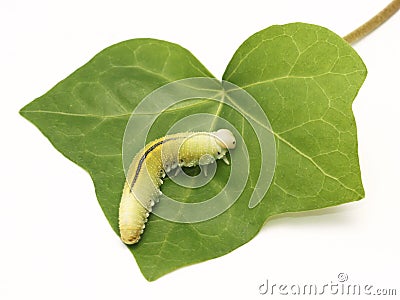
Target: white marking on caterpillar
(142,186)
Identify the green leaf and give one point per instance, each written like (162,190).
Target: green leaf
(304,77)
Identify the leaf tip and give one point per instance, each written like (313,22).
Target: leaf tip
(23,112)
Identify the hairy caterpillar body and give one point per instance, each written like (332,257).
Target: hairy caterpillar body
(150,165)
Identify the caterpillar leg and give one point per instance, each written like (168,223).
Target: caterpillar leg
(177,171)
(225,160)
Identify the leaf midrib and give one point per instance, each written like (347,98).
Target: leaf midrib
(183,107)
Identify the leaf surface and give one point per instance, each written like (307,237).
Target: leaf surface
(304,77)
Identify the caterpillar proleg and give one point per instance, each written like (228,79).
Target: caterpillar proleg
(150,165)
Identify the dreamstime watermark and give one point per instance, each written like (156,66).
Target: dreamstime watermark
(243,109)
(342,286)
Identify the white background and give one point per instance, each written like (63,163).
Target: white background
(55,242)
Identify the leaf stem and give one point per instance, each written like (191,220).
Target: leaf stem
(373,23)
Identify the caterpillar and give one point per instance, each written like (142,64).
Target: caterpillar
(150,165)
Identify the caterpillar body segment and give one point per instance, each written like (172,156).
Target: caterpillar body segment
(150,165)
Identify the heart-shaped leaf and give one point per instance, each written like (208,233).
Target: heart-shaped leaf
(304,77)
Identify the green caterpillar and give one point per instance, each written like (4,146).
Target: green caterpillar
(150,165)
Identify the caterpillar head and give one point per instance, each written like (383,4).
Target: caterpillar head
(225,139)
